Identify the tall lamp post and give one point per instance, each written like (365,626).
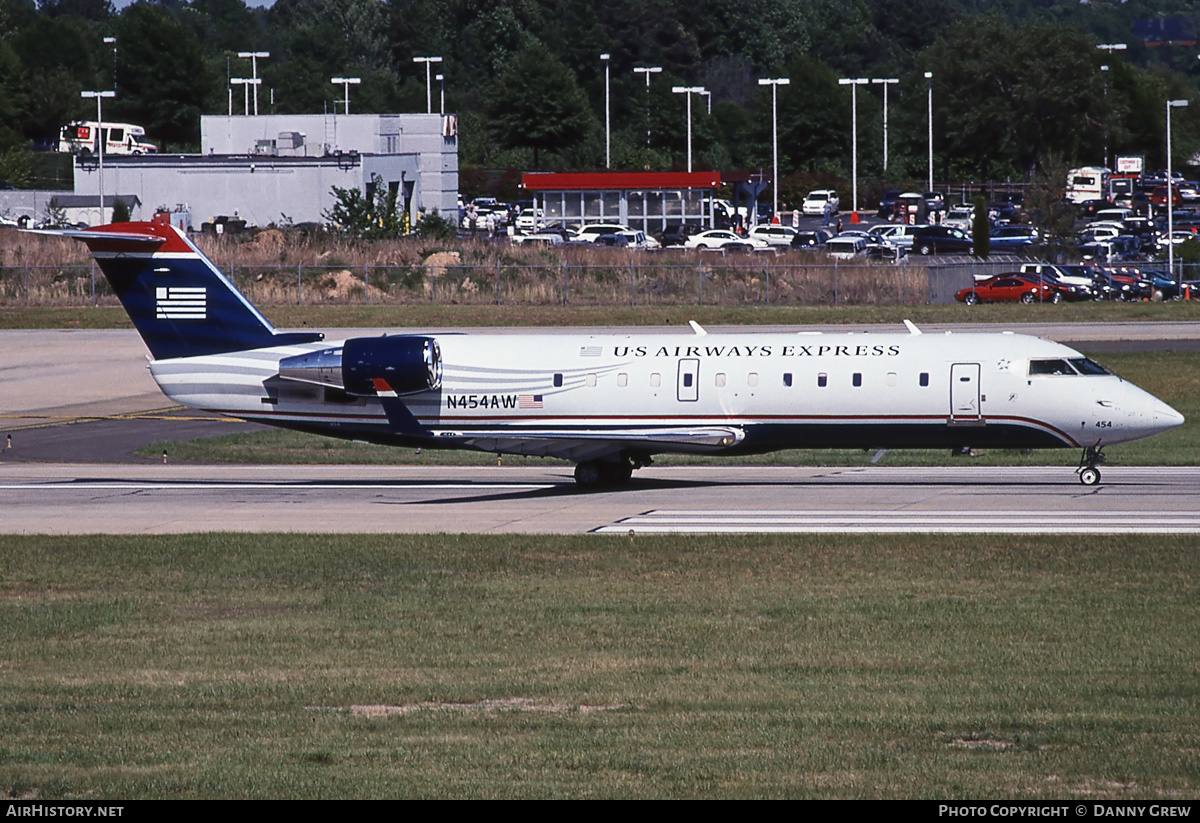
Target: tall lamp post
(929,98)
(647,71)
(607,119)
(428,61)
(1108,48)
(441,78)
(253,57)
(854,83)
(774,83)
(112,41)
(688,91)
(346,83)
(99,95)
(885,82)
(1171,104)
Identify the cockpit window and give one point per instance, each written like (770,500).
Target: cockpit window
(1050,367)
(1076,365)
(1085,366)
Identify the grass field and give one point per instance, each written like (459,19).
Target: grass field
(266,666)
(1172,376)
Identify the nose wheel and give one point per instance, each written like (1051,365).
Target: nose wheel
(1089,475)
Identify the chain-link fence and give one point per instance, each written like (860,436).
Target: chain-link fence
(711,280)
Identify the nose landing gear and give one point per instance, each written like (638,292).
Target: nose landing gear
(1092,456)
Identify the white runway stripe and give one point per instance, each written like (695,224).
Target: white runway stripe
(926,522)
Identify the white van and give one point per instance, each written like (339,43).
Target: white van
(1086,183)
(79,137)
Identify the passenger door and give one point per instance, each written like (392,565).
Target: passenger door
(964,393)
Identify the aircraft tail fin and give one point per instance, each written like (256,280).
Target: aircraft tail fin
(180,303)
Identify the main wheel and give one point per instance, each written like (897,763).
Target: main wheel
(1089,476)
(588,474)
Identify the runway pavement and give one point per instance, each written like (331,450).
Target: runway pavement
(149,499)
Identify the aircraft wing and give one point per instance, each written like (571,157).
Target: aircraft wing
(592,444)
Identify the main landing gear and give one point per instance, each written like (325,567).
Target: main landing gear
(596,473)
(1089,475)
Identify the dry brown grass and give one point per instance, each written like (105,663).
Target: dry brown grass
(274,268)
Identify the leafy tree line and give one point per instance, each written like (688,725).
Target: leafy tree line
(1014,81)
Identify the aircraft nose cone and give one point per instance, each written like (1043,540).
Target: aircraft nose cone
(1164,417)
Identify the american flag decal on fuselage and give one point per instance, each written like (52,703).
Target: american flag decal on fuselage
(529,401)
(180,303)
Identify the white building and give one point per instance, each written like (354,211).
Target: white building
(274,169)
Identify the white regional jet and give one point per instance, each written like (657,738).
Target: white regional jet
(610,402)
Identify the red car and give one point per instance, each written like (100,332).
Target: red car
(1010,288)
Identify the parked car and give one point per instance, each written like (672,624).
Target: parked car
(722,238)
(941,239)
(1159,196)
(816,201)
(774,235)
(1010,288)
(959,217)
(898,234)
(887,203)
(676,235)
(591,231)
(845,247)
(1013,237)
(811,239)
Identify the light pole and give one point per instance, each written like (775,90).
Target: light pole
(885,82)
(99,95)
(1104,69)
(605,58)
(774,83)
(688,91)
(854,83)
(253,56)
(441,78)
(647,71)
(112,41)
(929,87)
(346,83)
(707,95)
(246,83)
(1108,48)
(1171,104)
(428,61)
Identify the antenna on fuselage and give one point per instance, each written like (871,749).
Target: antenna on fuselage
(697,328)
(912,327)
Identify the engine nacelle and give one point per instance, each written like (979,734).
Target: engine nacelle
(409,364)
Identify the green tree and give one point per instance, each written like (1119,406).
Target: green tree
(537,104)
(369,216)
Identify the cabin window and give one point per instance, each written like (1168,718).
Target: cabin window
(558,381)
(891,378)
(591,380)
(752,379)
(822,380)
(687,380)
(924,378)
(656,380)
(787,379)
(856,379)
(720,380)
(622,380)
